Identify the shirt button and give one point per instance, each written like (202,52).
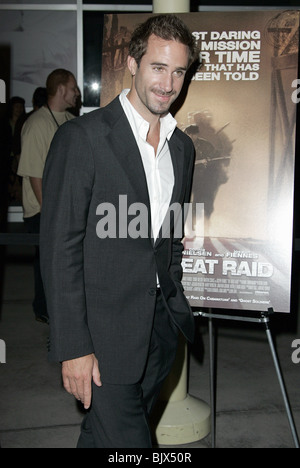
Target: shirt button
(152,292)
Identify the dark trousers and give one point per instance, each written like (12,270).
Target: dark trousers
(39,302)
(119,414)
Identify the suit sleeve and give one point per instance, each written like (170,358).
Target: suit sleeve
(67,187)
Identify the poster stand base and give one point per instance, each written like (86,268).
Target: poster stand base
(183,422)
(263,319)
(178,417)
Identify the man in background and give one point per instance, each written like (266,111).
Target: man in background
(37,134)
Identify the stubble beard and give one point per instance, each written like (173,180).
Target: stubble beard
(160,109)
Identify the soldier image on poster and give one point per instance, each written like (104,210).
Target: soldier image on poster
(116,40)
(213,156)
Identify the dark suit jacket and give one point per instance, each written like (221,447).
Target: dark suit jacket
(101,293)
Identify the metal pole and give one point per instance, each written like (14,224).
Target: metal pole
(171,6)
(263,319)
(212,383)
(282,386)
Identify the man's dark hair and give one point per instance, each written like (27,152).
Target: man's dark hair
(39,97)
(56,78)
(167,27)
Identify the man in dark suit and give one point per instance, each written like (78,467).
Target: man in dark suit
(110,250)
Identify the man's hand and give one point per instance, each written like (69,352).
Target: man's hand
(78,375)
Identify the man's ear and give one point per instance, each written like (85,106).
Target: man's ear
(132,65)
(61,89)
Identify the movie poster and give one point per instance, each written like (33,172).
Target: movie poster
(240,111)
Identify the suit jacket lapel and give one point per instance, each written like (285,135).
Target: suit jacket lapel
(127,152)
(177,155)
(176,150)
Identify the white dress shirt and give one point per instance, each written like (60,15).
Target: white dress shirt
(158,168)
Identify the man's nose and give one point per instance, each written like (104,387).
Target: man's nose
(167,83)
